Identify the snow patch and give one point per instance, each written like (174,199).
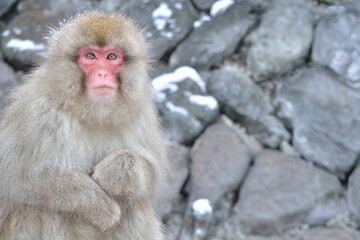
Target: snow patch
(161,16)
(176,109)
(201,207)
(23,45)
(5,33)
(178,6)
(203,19)
(220,6)
(207,101)
(17,31)
(168,81)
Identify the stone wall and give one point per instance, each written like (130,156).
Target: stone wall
(260,102)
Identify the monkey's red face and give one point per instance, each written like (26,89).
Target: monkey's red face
(101,66)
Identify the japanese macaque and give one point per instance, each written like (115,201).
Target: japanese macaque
(82,153)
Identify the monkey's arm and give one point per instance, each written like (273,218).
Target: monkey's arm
(125,173)
(68,192)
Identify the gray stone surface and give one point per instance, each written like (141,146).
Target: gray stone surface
(286,192)
(325,116)
(165,23)
(219,161)
(246,103)
(337,45)
(331,234)
(23,37)
(179,161)
(204,4)
(7,82)
(214,40)
(282,40)
(5,6)
(261,238)
(353,193)
(184,105)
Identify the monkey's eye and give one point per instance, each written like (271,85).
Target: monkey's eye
(111,56)
(90,56)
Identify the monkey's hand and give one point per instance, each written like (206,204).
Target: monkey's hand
(124,173)
(105,215)
(76,192)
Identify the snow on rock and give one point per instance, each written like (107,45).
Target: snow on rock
(220,6)
(203,19)
(201,207)
(167,81)
(207,101)
(17,31)
(5,33)
(162,17)
(23,45)
(176,109)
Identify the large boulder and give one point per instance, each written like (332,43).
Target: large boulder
(184,105)
(282,40)
(245,102)
(219,161)
(325,117)
(216,39)
(281,192)
(337,45)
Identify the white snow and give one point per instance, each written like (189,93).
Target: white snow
(201,207)
(203,19)
(22,45)
(5,33)
(17,31)
(206,101)
(149,34)
(176,109)
(167,34)
(168,81)
(178,6)
(161,15)
(220,6)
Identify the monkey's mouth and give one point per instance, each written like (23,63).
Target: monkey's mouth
(102,90)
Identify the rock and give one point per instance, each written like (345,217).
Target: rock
(178,157)
(250,141)
(282,40)
(23,37)
(7,82)
(353,193)
(246,103)
(175,221)
(214,40)
(5,6)
(337,45)
(309,102)
(219,161)
(280,193)
(166,23)
(184,105)
(331,234)
(204,4)
(261,238)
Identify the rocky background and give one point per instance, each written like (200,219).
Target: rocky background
(261,102)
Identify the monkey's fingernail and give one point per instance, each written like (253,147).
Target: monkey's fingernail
(90,172)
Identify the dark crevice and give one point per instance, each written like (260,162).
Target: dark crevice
(239,187)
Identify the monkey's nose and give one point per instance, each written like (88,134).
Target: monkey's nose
(102,74)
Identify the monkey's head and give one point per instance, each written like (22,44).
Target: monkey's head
(96,66)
